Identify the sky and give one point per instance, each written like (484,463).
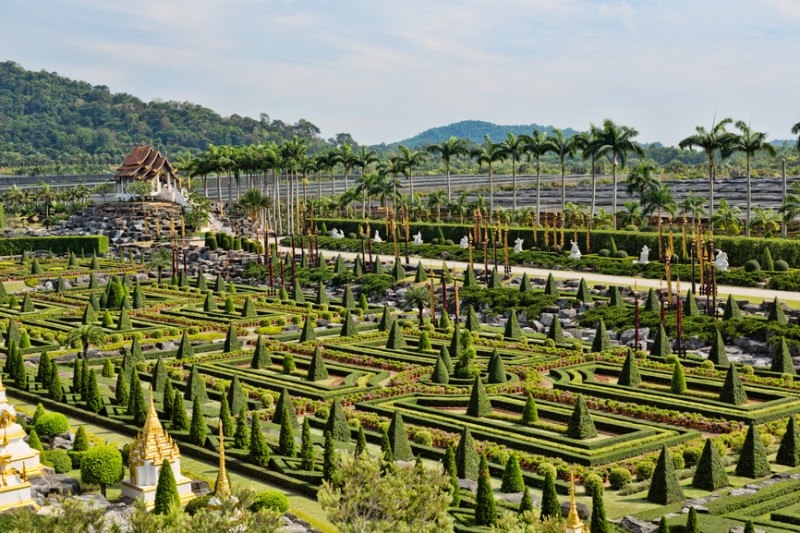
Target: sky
(385,70)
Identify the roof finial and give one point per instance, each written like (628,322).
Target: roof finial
(152,423)
(223,489)
(574,523)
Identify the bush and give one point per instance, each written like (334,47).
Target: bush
(752,266)
(644,470)
(195,504)
(691,456)
(423,437)
(59,460)
(604,252)
(621,254)
(591,483)
(272,500)
(781,266)
(619,477)
(51,424)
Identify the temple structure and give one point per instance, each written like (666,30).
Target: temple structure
(17,459)
(145,163)
(152,449)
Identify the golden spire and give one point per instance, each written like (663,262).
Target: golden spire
(152,425)
(24,471)
(223,487)
(574,523)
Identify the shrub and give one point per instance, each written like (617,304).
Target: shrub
(753,461)
(691,456)
(423,437)
(59,459)
(592,483)
(664,486)
(710,473)
(752,266)
(621,254)
(201,502)
(619,477)
(51,424)
(101,465)
(270,499)
(580,424)
(644,470)
(781,266)
(604,252)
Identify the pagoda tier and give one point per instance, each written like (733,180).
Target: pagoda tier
(17,459)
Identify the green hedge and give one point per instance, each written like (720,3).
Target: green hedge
(55,244)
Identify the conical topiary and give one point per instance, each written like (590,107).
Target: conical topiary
(732,311)
(444,353)
(602,341)
(336,424)
(550,287)
(677,384)
(237,399)
(495,281)
(248,308)
(385,323)
(525,284)
(197,427)
(349,328)
(530,415)
(485,508)
(732,390)
(753,461)
(398,440)
(629,376)
(512,476)
(718,355)
(467,456)
(512,330)
(472,323)
(421,275)
(348,301)
(308,334)
(317,370)
(690,305)
(167,498)
(789,450)
(583,294)
(398,272)
(396,341)
(479,404)
(652,304)
(185,347)
(615,297)
(297,293)
(766,260)
(440,375)
(550,506)
(776,313)
(660,347)
(710,472)
(261,358)
(664,485)
(496,369)
(469,278)
(691,522)
(195,386)
(598,522)
(159,377)
(124,322)
(781,358)
(554,332)
(232,342)
(580,425)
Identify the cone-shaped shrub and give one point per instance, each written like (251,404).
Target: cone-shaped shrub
(664,486)
(308,330)
(629,376)
(361,442)
(691,522)
(94,302)
(339,266)
(598,522)
(385,323)
(348,301)
(219,284)
(36,268)
(496,370)
(550,507)
(495,281)
(124,321)
(138,296)
(615,297)
(512,476)
(185,347)
(121,390)
(732,390)
(550,287)
(27,304)
(781,358)
(34,441)
(526,503)
(718,355)
(248,308)
(472,323)
(232,342)
(286,437)
(479,404)
(44,368)
(776,313)
(530,415)
(469,278)
(317,370)
(55,390)
(452,473)
(167,400)
(337,422)
(732,311)
(396,340)
(398,439)
(297,293)
(554,332)
(358,267)
(485,508)
(525,283)
(690,305)
(424,342)
(136,351)
(259,451)
(229,307)
(580,425)
(444,353)
(93,399)
(420,275)
(398,272)
(602,341)
(583,294)
(167,498)
(663,527)
(349,328)
(197,428)
(225,418)
(108,368)
(241,435)
(467,456)
(195,386)
(288,365)
(261,358)
(677,384)
(237,399)
(136,406)
(378,265)
(753,461)
(512,331)
(440,375)
(710,472)
(652,304)
(201,283)
(660,347)
(180,420)
(322,296)
(307,453)
(159,377)
(789,450)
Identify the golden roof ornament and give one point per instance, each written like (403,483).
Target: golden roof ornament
(153,443)
(223,489)
(574,523)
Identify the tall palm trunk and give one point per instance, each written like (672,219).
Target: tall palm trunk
(614,195)
(711,179)
(594,188)
(514,184)
(563,185)
(784,222)
(749,197)
(538,190)
(491,194)
(219,188)
(447,166)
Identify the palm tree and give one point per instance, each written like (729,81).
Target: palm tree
(790,207)
(47,196)
(658,199)
(365,185)
(750,142)
(717,139)
(693,205)
(86,335)
(587,143)
(515,147)
(294,152)
(160,258)
(347,158)
(407,160)
(449,149)
(458,206)
(796,131)
(727,218)
(765,220)
(563,147)
(435,201)
(602,219)
(489,153)
(616,142)
(418,297)
(641,180)
(631,214)
(364,158)
(538,144)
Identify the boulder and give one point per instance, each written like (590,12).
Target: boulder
(53,484)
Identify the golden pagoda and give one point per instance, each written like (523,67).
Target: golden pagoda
(223,487)
(17,459)
(152,448)
(574,523)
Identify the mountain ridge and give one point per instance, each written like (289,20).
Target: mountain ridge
(474,131)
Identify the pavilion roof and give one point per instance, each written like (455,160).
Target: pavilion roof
(144,163)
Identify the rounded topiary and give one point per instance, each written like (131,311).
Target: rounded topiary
(644,470)
(781,266)
(270,499)
(59,460)
(619,477)
(201,502)
(621,254)
(752,266)
(604,252)
(592,483)
(51,424)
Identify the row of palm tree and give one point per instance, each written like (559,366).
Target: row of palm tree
(45,201)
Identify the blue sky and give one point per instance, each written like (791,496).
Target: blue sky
(384,70)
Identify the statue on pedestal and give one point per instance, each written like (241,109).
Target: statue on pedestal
(575,253)
(464,243)
(721,261)
(377,237)
(518,245)
(417,239)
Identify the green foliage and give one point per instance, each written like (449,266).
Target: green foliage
(660,346)
(496,369)
(551,287)
(59,460)
(93,399)
(197,428)
(337,422)
(580,425)
(766,260)
(49,425)
(237,399)
(259,451)
(444,354)
(241,436)
(180,419)
(776,313)
(261,358)
(398,439)
(348,301)
(718,355)
(160,377)
(550,506)
(196,387)
(530,414)
(525,283)
(629,376)
(34,441)
(43,369)
(710,472)
(121,390)
(424,342)
(452,473)
(284,401)
(168,400)
(101,465)
(732,390)
(555,333)
(602,341)
(55,390)
(485,508)
(108,369)
(479,404)
(385,323)
(225,418)
(396,340)
(317,370)
(286,437)
(691,522)
(361,442)
(232,342)
(732,311)
(781,358)
(349,328)
(288,365)
(664,486)
(440,374)
(512,476)
(753,461)
(329,464)
(652,304)
(677,384)
(615,297)
(512,329)
(270,499)
(467,456)
(307,453)
(167,497)
(209,303)
(789,450)
(690,305)
(598,523)
(663,526)
(583,294)
(619,477)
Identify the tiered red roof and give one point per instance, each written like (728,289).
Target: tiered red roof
(144,163)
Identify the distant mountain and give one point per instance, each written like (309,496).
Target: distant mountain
(475,131)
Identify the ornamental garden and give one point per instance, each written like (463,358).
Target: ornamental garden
(650,403)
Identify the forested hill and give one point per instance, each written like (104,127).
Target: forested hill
(44,116)
(475,131)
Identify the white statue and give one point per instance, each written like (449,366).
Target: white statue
(418,239)
(721,261)
(337,234)
(377,237)
(518,245)
(575,253)
(464,243)
(644,255)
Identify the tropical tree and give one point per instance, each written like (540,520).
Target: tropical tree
(713,141)
(363,159)
(407,160)
(160,258)
(346,157)
(790,207)
(435,200)
(616,142)
(418,298)
(750,143)
(693,205)
(631,214)
(447,150)
(563,147)
(538,144)
(765,220)
(603,219)
(514,147)
(641,180)
(796,131)
(489,153)
(458,207)
(587,144)
(86,335)
(727,218)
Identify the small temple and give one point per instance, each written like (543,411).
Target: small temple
(17,459)
(145,163)
(152,449)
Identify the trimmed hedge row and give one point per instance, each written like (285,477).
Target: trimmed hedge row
(55,244)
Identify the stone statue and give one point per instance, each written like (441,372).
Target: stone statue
(418,239)
(575,253)
(518,245)
(337,234)
(644,255)
(721,261)
(377,237)
(464,243)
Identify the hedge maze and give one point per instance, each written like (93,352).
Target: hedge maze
(350,370)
